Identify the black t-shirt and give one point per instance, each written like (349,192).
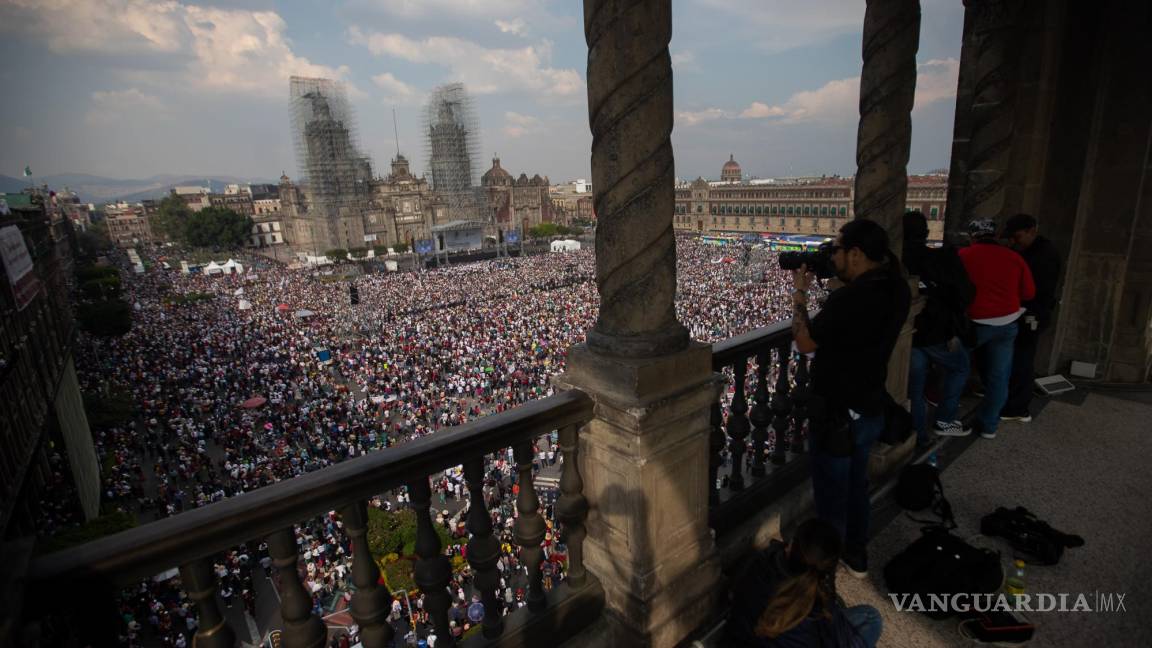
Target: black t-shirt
(1044,262)
(855,333)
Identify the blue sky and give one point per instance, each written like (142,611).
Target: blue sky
(132,88)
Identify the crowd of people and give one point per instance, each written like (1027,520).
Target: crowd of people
(421,351)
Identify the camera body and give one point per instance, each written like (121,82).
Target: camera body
(819,261)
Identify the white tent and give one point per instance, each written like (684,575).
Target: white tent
(245,304)
(239,291)
(231,266)
(304,312)
(213,268)
(567,245)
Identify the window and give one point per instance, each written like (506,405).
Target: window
(699,209)
(797,223)
(807,210)
(935,211)
(824,210)
(773,209)
(843,211)
(790,210)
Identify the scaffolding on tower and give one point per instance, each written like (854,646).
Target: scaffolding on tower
(452,134)
(335,174)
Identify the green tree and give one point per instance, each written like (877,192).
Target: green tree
(400,248)
(544,230)
(94,241)
(171,218)
(358,252)
(110,318)
(337,255)
(217,227)
(380,250)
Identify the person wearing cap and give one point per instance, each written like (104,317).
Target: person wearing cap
(1003,282)
(1044,261)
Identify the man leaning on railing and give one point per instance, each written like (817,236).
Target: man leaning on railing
(852,337)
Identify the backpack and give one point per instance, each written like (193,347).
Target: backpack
(939,562)
(919,488)
(1034,541)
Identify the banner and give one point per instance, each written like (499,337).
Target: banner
(18,264)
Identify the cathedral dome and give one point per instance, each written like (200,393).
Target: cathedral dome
(496,175)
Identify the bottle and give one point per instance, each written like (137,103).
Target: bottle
(1015,584)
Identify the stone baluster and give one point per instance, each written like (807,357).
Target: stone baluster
(483,548)
(371,604)
(200,583)
(887,89)
(529,528)
(738,425)
(800,394)
(761,414)
(572,507)
(302,629)
(716,443)
(432,570)
(781,406)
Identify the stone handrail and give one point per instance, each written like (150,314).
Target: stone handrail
(191,539)
(769,436)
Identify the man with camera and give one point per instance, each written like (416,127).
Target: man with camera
(852,338)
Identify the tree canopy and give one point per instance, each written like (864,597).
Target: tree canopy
(171,218)
(217,227)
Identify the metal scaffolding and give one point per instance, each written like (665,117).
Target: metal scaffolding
(453,149)
(334,171)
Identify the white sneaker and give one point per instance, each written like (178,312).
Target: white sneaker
(951,428)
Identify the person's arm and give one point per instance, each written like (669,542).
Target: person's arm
(1027,284)
(801,323)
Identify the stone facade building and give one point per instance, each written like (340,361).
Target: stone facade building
(516,203)
(128,224)
(817,206)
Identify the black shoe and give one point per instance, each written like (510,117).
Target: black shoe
(856,562)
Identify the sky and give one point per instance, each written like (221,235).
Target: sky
(134,88)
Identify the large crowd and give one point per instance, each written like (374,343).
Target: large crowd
(421,351)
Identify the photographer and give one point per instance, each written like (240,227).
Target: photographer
(852,337)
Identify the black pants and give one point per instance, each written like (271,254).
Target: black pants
(1023,372)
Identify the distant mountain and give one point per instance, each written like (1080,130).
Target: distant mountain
(97,189)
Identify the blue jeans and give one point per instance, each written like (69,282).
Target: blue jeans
(994,344)
(954,366)
(840,484)
(867,621)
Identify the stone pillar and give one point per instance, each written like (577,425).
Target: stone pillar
(954,224)
(993,31)
(630,113)
(887,90)
(644,456)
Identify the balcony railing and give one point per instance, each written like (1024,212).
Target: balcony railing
(759,449)
(763,445)
(192,539)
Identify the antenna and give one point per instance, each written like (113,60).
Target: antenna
(396,130)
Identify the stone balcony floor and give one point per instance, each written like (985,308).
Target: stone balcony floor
(1086,469)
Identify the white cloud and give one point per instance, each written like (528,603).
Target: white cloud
(396,91)
(517,125)
(691,118)
(112,26)
(516,26)
(839,100)
(485,70)
(439,8)
(116,106)
(225,50)
(684,60)
(760,110)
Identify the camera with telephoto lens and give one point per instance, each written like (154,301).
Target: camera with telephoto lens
(819,261)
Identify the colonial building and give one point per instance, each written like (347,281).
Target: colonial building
(404,209)
(519,203)
(42,419)
(572,201)
(127,224)
(810,205)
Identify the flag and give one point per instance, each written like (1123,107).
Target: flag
(27,171)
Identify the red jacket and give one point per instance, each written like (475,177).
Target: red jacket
(1001,277)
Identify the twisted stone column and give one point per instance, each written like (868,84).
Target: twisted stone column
(630,114)
(993,106)
(887,90)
